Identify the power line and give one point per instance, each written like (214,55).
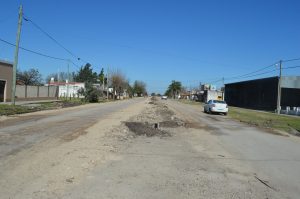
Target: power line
(53,39)
(218,80)
(245,75)
(262,73)
(289,60)
(38,53)
(290,67)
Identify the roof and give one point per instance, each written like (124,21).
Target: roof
(252,80)
(6,62)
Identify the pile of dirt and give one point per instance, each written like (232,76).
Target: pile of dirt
(153,99)
(171,124)
(147,129)
(164,112)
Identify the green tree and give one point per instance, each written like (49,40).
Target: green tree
(30,77)
(102,77)
(173,89)
(86,74)
(139,88)
(129,89)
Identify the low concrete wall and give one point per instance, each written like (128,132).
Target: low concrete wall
(20,91)
(36,92)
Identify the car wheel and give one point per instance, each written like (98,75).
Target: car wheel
(209,111)
(225,113)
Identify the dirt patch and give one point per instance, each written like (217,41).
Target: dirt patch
(16,121)
(164,112)
(77,133)
(74,135)
(212,130)
(140,128)
(214,118)
(193,125)
(171,124)
(153,99)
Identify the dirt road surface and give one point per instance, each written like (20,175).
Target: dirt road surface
(113,151)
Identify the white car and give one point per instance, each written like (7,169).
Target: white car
(164,97)
(216,106)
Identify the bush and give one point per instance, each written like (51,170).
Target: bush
(92,95)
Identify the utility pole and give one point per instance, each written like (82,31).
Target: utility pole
(103,81)
(68,79)
(58,77)
(223,94)
(107,76)
(279,88)
(15,65)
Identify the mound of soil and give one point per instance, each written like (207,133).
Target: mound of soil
(140,128)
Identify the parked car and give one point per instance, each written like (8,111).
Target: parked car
(164,97)
(216,106)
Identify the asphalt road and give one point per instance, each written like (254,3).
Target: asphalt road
(214,158)
(276,158)
(94,155)
(27,130)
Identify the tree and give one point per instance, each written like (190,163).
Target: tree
(173,89)
(118,82)
(86,74)
(139,88)
(102,77)
(30,77)
(129,90)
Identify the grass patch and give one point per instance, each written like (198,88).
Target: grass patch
(264,119)
(6,109)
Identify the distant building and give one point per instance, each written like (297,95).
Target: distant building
(68,89)
(262,94)
(209,92)
(184,95)
(212,95)
(6,74)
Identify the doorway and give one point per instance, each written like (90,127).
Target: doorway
(2,90)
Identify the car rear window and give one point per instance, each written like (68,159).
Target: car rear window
(219,101)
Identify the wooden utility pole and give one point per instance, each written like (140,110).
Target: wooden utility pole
(103,82)
(68,80)
(279,88)
(223,93)
(15,65)
(107,82)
